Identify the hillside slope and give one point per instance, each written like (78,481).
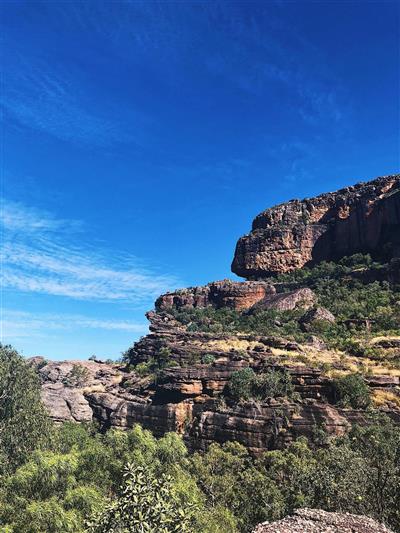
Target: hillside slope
(264,361)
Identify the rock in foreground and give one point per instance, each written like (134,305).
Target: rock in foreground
(317,521)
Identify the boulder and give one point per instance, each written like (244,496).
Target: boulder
(316,314)
(287,301)
(318,521)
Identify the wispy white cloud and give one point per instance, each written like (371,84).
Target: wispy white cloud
(22,324)
(41,254)
(38,95)
(16,217)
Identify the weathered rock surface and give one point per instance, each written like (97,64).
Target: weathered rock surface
(287,301)
(362,218)
(178,378)
(316,314)
(189,398)
(64,391)
(318,521)
(237,295)
(218,294)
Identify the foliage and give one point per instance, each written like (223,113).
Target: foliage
(77,376)
(241,383)
(352,391)
(208,359)
(72,478)
(245,384)
(337,288)
(145,368)
(24,424)
(223,490)
(147,503)
(273,384)
(232,480)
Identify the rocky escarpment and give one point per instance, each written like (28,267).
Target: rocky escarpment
(318,521)
(218,294)
(362,218)
(178,377)
(239,296)
(191,394)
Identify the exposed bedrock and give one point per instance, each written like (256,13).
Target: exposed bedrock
(190,399)
(362,218)
(318,521)
(218,294)
(236,295)
(179,377)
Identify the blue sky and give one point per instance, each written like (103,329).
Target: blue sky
(141,139)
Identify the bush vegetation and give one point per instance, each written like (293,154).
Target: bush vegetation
(352,391)
(72,478)
(245,384)
(349,299)
(77,377)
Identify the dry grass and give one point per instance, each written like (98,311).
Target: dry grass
(94,388)
(375,340)
(313,357)
(382,397)
(226,345)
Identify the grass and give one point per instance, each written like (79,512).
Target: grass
(381,398)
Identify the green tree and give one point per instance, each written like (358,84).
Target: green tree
(273,384)
(352,391)
(24,424)
(147,503)
(231,480)
(47,494)
(379,444)
(241,384)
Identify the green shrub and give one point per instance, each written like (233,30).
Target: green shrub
(273,384)
(208,359)
(147,503)
(24,424)
(241,384)
(245,384)
(145,369)
(77,377)
(352,391)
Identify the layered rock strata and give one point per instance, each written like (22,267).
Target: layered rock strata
(362,218)
(190,397)
(239,296)
(178,378)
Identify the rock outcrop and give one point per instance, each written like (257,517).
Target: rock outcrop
(362,218)
(239,296)
(178,376)
(218,294)
(316,314)
(190,395)
(318,521)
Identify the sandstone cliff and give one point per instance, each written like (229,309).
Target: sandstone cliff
(177,378)
(362,218)
(239,296)
(191,395)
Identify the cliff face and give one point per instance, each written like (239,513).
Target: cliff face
(189,396)
(178,377)
(188,399)
(240,296)
(363,218)
(218,294)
